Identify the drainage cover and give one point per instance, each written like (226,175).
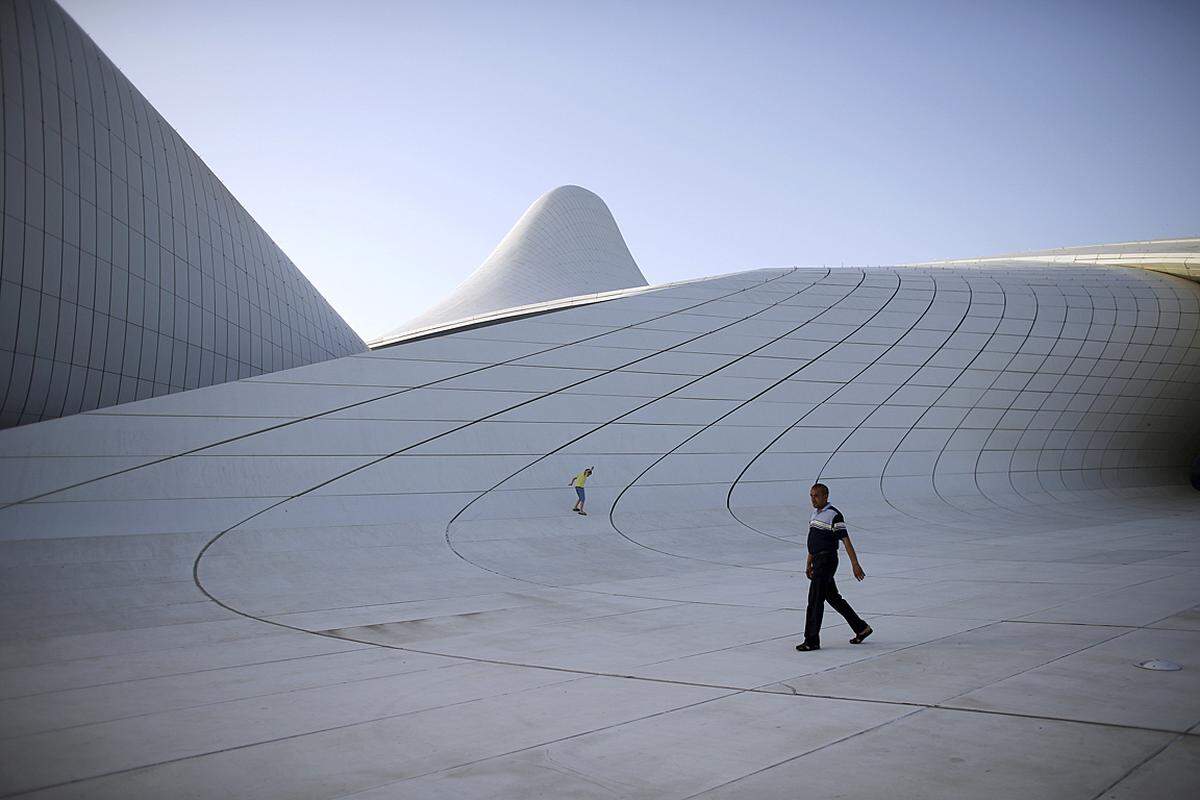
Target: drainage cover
(1159,664)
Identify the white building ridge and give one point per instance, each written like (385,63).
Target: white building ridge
(1179,257)
(565,245)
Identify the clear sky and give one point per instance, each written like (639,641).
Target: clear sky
(387,146)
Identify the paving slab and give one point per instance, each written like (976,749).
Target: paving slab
(672,755)
(1101,684)
(1173,772)
(407,739)
(947,754)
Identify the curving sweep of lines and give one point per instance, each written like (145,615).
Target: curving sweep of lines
(565,245)
(367,566)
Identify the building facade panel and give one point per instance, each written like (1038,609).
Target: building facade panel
(129,270)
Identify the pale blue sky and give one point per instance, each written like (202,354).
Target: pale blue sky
(388,146)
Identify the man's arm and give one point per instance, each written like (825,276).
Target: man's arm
(858,570)
(808,566)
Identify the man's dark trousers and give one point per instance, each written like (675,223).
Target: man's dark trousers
(822,589)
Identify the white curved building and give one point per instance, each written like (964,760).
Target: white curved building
(129,270)
(565,245)
(362,578)
(1180,257)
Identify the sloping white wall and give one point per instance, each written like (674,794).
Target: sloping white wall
(566,244)
(351,574)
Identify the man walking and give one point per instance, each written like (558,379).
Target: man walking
(578,481)
(825,530)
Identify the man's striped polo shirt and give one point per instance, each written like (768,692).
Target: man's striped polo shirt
(825,529)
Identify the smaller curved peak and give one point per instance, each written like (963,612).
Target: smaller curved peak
(565,245)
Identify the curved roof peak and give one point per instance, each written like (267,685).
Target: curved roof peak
(568,189)
(566,244)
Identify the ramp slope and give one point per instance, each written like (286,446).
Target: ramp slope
(361,576)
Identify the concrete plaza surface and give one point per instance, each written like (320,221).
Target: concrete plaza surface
(361,578)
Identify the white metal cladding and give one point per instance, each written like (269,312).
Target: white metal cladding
(129,270)
(1008,443)
(1180,257)
(566,244)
